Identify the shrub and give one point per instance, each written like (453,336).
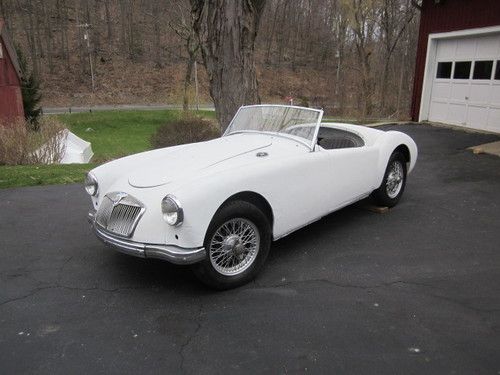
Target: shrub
(21,146)
(187,129)
(31,93)
(303,101)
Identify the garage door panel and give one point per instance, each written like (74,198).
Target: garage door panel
(441,90)
(456,114)
(477,116)
(446,50)
(438,111)
(466,49)
(459,91)
(480,94)
(493,122)
(495,95)
(487,46)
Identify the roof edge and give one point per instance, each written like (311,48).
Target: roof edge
(4,36)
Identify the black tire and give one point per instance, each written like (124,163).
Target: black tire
(381,196)
(205,270)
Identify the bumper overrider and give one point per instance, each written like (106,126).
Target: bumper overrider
(171,253)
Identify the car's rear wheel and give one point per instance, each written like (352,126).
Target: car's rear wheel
(237,244)
(393,185)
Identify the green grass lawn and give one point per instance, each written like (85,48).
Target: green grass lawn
(113,134)
(32,175)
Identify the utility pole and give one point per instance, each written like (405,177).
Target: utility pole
(86,36)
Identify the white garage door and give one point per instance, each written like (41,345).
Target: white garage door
(466,84)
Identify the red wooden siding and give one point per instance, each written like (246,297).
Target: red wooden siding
(448,15)
(11,103)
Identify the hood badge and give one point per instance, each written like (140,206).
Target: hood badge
(116,198)
(261,154)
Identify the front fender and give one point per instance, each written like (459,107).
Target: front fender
(201,200)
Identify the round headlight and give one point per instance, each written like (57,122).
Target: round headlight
(172,210)
(91,184)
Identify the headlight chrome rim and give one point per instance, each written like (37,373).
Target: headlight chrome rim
(172,210)
(91,184)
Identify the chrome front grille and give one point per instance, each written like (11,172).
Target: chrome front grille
(119,213)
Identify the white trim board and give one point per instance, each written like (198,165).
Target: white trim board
(430,60)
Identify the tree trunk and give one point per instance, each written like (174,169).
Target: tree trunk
(38,27)
(65,36)
(30,37)
(81,54)
(227,31)
(155,13)
(109,24)
(187,80)
(270,37)
(384,86)
(49,42)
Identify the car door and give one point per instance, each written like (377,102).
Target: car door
(352,173)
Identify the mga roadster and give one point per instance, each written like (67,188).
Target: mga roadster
(218,205)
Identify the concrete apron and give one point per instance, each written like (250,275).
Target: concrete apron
(492,148)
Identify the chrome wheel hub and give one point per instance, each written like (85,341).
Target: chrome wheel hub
(234,246)
(395,179)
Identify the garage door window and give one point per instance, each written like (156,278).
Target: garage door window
(497,70)
(482,69)
(462,70)
(443,70)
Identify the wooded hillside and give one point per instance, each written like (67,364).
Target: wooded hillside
(350,57)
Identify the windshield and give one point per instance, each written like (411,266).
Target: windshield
(296,122)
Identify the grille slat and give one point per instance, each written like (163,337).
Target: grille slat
(123,220)
(120,217)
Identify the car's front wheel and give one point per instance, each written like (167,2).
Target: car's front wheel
(237,244)
(393,184)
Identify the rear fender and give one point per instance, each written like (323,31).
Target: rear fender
(387,144)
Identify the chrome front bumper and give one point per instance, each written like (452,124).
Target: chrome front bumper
(170,253)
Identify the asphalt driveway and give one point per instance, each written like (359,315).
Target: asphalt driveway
(413,291)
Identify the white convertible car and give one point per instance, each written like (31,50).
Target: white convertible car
(219,204)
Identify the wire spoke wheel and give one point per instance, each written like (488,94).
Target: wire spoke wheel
(234,246)
(395,178)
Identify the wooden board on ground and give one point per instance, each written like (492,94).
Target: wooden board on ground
(373,208)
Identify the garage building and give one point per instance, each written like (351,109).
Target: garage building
(11,102)
(457,73)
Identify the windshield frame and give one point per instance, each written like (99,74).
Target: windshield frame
(304,141)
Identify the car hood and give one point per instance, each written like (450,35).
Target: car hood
(170,164)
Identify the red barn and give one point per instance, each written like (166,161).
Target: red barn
(11,102)
(457,73)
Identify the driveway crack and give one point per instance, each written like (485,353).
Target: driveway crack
(95,288)
(190,338)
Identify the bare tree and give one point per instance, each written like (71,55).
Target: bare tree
(227,30)
(109,24)
(339,28)
(183,26)
(362,25)
(395,18)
